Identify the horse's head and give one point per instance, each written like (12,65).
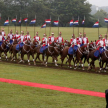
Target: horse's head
(28,42)
(92,46)
(67,43)
(85,48)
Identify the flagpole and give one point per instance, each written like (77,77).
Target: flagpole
(45,30)
(34,26)
(98,30)
(20,26)
(8,25)
(83,25)
(78,25)
(58,25)
(0,21)
(16,23)
(107,28)
(73,25)
(26,23)
(50,27)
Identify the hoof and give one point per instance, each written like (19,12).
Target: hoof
(29,64)
(70,67)
(83,69)
(75,68)
(104,70)
(56,65)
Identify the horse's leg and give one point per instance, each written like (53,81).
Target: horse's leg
(62,59)
(46,60)
(33,59)
(81,63)
(0,55)
(28,56)
(70,58)
(5,55)
(105,67)
(100,66)
(67,60)
(75,63)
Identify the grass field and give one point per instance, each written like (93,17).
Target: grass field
(16,96)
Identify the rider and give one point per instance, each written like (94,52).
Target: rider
(3,33)
(27,37)
(106,41)
(51,38)
(85,39)
(37,38)
(44,40)
(1,38)
(21,38)
(59,38)
(16,36)
(10,36)
(79,40)
(73,41)
(100,43)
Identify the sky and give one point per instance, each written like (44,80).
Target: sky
(99,2)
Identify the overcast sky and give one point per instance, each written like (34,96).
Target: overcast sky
(99,2)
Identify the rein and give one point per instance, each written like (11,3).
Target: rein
(105,54)
(26,50)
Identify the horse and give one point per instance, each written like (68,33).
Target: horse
(32,50)
(10,49)
(104,59)
(80,54)
(49,50)
(3,48)
(54,52)
(25,50)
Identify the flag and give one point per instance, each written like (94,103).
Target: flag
(106,20)
(76,22)
(13,20)
(43,26)
(25,20)
(56,23)
(6,22)
(71,22)
(33,21)
(83,21)
(48,21)
(19,22)
(96,24)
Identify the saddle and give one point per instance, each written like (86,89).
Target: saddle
(72,50)
(43,48)
(19,46)
(0,43)
(99,51)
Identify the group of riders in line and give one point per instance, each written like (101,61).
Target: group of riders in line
(101,44)
(79,41)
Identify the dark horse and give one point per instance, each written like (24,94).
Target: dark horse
(104,59)
(3,48)
(25,50)
(50,51)
(81,53)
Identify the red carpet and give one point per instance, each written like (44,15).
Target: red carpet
(52,87)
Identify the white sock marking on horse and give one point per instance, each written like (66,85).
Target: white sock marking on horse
(0,57)
(75,64)
(82,65)
(28,60)
(88,64)
(6,57)
(33,60)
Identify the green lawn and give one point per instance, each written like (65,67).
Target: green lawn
(17,96)
(14,96)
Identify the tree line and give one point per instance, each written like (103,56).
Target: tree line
(43,9)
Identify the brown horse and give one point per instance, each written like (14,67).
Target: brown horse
(25,50)
(3,48)
(93,59)
(32,50)
(64,55)
(104,59)
(11,47)
(49,51)
(81,53)
(54,52)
